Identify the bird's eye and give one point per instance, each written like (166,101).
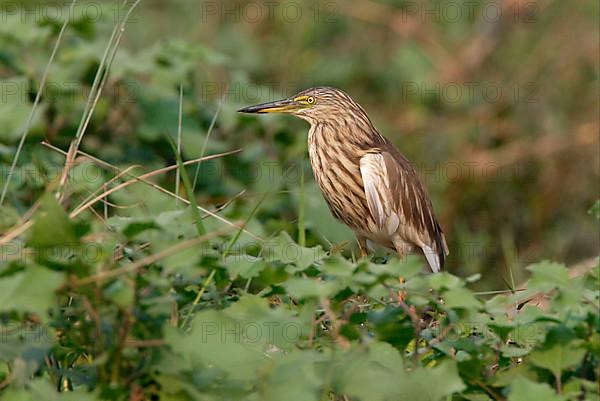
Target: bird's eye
(310,100)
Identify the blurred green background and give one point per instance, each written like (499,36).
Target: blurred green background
(495,102)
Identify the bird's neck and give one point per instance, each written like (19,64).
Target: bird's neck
(351,131)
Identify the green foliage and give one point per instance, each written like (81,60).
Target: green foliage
(105,306)
(290,322)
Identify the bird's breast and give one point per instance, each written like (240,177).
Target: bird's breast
(336,167)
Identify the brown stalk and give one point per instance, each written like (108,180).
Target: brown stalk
(96,278)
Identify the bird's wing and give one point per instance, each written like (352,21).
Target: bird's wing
(399,202)
(375,181)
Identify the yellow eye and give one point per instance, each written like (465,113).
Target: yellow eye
(310,100)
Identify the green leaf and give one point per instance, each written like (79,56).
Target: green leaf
(443,280)
(238,342)
(507,377)
(344,273)
(399,267)
(477,397)
(548,275)
(338,266)
(137,227)
(52,226)
(378,374)
(31,290)
(557,358)
(523,389)
(369,374)
(42,390)
(16,108)
(121,292)
(244,266)
(460,297)
(287,251)
(301,288)
(219,343)
(417,386)
(25,347)
(295,376)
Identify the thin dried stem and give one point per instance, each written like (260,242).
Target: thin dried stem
(15,232)
(38,97)
(97,278)
(179,124)
(104,186)
(87,204)
(99,81)
(166,191)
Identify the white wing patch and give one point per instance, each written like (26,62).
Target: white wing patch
(432,258)
(377,190)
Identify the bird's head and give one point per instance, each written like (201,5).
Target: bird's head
(314,105)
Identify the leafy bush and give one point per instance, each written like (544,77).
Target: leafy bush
(108,311)
(118,291)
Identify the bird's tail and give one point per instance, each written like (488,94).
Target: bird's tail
(436,257)
(440,244)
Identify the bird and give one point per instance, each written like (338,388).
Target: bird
(365,180)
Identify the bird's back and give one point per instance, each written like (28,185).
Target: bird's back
(412,201)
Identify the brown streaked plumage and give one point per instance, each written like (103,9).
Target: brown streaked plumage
(367,183)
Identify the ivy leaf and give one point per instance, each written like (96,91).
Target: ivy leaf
(443,280)
(399,267)
(523,389)
(31,290)
(137,227)
(244,266)
(310,288)
(41,390)
(507,377)
(217,343)
(369,374)
(547,276)
(287,251)
(460,297)
(16,108)
(416,386)
(52,226)
(557,358)
(295,376)
(121,292)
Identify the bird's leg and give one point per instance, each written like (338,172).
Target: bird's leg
(402,250)
(362,244)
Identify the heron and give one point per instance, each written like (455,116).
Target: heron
(365,180)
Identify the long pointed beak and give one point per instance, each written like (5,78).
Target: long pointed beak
(279,106)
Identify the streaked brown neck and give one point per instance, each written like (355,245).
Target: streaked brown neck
(353,130)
